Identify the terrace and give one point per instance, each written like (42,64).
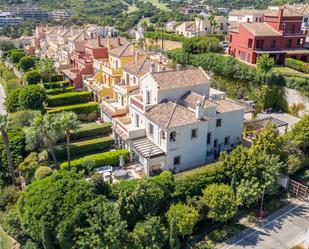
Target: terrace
(113,107)
(124,128)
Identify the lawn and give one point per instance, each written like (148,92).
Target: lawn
(7,241)
(159,5)
(195,171)
(286,71)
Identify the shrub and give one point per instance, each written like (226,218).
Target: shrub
(42,172)
(219,235)
(12,103)
(78,109)
(84,147)
(55,91)
(297,65)
(69,98)
(32,97)
(91,130)
(58,84)
(106,158)
(22,118)
(26,63)
(56,78)
(8,196)
(16,56)
(33,77)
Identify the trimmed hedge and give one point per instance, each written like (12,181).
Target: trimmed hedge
(58,84)
(69,98)
(78,109)
(84,147)
(91,130)
(297,65)
(106,158)
(56,91)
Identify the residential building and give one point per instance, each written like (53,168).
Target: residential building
(177,121)
(246,15)
(82,61)
(18,42)
(108,71)
(280,35)
(117,106)
(201,27)
(10,19)
(59,15)
(194,9)
(28,12)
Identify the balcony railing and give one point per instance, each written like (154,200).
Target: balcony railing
(126,126)
(115,107)
(119,87)
(137,101)
(106,67)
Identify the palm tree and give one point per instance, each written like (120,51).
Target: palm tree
(69,123)
(5,139)
(44,131)
(213,23)
(46,68)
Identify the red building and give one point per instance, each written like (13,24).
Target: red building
(280,36)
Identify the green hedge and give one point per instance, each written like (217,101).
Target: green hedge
(91,130)
(78,109)
(58,84)
(297,65)
(84,147)
(106,158)
(56,91)
(69,98)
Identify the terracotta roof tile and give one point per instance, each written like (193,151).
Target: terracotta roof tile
(260,29)
(143,66)
(191,98)
(180,78)
(226,105)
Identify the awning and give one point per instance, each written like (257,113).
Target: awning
(146,148)
(260,123)
(69,74)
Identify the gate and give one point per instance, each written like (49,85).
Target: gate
(297,189)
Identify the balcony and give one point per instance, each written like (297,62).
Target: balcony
(137,101)
(124,127)
(106,68)
(114,108)
(124,88)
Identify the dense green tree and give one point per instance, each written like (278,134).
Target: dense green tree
(198,45)
(16,56)
(22,118)
(6,45)
(102,187)
(220,202)
(33,77)
(68,123)
(253,170)
(46,68)
(26,63)
(185,217)
(11,101)
(44,132)
(294,163)
(8,197)
(268,140)
(174,241)
(147,198)
(149,234)
(42,172)
(32,97)
(29,166)
(265,64)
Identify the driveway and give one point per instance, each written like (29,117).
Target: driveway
(285,229)
(2,100)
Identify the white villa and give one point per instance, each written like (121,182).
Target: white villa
(177,121)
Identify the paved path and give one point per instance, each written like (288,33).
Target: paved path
(2,100)
(286,228)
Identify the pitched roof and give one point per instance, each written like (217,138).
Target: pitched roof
(169,114)
(142,66)
(260,29)
(226,105)
(190,26)
(289,10)
(191,98)
(244,12)
(125,50)
(180,78)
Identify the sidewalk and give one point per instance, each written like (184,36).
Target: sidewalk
(284,229)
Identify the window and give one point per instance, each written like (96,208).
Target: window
(305,19)
(150,129)
(116,64)
(283,26)
(221,26)
(177,160)
(208,138)
(226,140)
(273,44)
(173,136)
(243,56)
(147,97)
(215,143)
(231,38)
(249,57)
(288,43)
(259,43)
(137,120)
(256,19)
(250,41)
(193,133)
(218,123)
(134,80)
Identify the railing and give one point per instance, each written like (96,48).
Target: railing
(138,103)
(132,132)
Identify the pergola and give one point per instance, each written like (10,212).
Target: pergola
(146,148)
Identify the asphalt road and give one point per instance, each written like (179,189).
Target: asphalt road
(2,100)
(284,230)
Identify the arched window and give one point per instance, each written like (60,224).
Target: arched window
(173,136)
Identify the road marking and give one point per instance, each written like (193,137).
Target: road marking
(262,227)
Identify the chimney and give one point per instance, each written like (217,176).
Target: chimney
(108,42)
(136,57)
(198,110)
(119,40)
(152,67)
(99,41)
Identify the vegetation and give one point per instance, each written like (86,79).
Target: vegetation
(58,84)
(15,56)
(68,98)
(33,77)
(32,97)
(57,91)
(26,63)
(43,172)
(78,108)
(298,65)
(46,69)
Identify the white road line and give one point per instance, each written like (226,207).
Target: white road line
(259,229)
